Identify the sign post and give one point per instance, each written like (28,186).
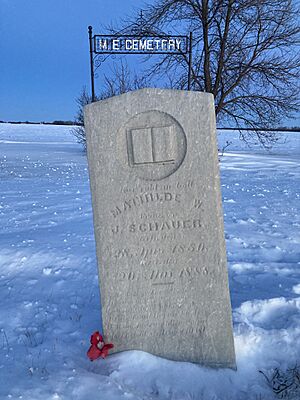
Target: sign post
(139,44)
(190,60)
(92,63)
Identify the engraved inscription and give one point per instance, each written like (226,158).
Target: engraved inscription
(154,256)
(171,329)
(163,276)
(143,199)
(192,247)
(189,184)
(155,226)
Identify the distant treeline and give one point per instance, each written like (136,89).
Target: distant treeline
(58,122)
(279,129)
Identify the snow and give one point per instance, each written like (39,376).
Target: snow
(49,297)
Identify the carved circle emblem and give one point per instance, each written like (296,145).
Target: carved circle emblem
(153,143)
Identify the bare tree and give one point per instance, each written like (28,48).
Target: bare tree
(244,52)
(120,80)
(78,131)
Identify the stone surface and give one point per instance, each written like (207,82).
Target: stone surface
(158,224)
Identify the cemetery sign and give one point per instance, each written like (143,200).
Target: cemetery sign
(105,44)
(139,44)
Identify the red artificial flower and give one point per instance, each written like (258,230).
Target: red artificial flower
(98,348)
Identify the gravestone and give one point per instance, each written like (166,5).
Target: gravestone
(158,224)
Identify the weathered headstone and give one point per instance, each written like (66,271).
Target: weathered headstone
(158,224)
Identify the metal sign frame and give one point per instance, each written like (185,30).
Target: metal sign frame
(93,50)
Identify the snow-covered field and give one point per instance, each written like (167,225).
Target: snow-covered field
(49,297)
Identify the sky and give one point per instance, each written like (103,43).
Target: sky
(44,54)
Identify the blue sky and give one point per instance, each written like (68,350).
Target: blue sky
(44,54)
